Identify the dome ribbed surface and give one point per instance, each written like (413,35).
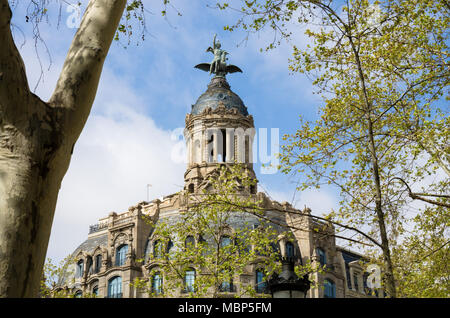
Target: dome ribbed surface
(218,91)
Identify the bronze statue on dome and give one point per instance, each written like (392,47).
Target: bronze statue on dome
(218,66)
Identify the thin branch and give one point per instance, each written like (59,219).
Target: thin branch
(419,196)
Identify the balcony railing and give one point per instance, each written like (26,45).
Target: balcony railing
(119,220)
(97,227)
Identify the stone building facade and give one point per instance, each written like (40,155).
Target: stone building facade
(219,131)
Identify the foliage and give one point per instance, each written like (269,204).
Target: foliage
(53,275)
(422,260)
(382,70)
(227,241)
(57,279)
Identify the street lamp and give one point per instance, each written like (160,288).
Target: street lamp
(287,284)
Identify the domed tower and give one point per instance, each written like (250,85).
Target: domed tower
(219,129)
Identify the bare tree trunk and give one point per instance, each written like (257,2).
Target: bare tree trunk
(37,139)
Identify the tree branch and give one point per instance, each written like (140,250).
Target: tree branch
(418,196)
(14,88)
(274,209)
(77,85)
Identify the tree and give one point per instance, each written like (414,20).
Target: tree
(37,139)
(57,278)
(214,242)
(382,69)
(422,259)
(52,276)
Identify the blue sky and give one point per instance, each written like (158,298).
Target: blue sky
(144,94)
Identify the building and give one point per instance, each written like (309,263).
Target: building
(219,131)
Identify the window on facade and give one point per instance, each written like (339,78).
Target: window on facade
(322,257)
(78,294)
(89,265)
(157,282)
(197,152)
(204,245)
(227,283)
(115,287)
(223,151)
(260,284)
(191,188)
(169,246)
(211,143)
(289,250)
(189,242)
(247,149)
(121,255)
(330,289)
(355,281)
(95,291)
(225,241)
(98,263)
(80,268)
(189,280)
(226,286)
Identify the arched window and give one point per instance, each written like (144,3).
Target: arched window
(191,188)
(98,263)
(157,282)
(80,268)
(289,250)
(211,145)
(225,241)
(330,289)
(121,254)
(78,294)
(203,244)
(260,283)
(197,151)
(189,242)
(89,265)
(189,280)
(115,287)
(322,256)
(227,283)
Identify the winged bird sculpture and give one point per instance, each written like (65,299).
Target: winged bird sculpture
(218,66)
(228,69)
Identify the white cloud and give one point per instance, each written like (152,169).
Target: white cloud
(122,149)
(119,152)
(320,201)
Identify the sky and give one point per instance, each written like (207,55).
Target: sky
(145,92)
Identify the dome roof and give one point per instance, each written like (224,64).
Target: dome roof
(218,91)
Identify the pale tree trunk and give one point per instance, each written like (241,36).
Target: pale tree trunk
(37,139)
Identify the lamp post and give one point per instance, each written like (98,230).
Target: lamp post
(287,284)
